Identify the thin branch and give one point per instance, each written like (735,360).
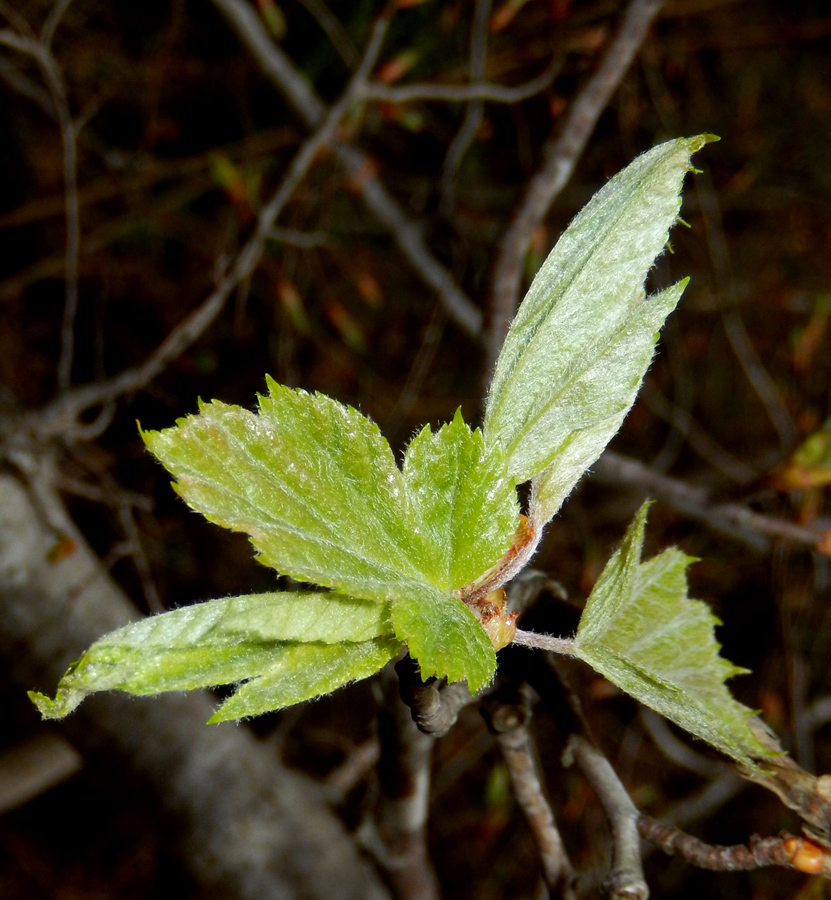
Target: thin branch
(785,850)
(477,69)
(462,93)
(333,29)
(626,881)
(59,415)
(39,51)
(559,159)
(752,528)
(359,168)
(507,714)
(737,334)
(52,22)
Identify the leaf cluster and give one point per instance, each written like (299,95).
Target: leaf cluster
(413,556)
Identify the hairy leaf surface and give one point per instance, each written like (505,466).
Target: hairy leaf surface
(304,671)
(584,335)
(641,631)
(212,643)
(462,502)
(444,636)
(311,481)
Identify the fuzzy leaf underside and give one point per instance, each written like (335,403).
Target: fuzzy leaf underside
(583,337)
(311,481)
(305,671)
(444,636)
(593,408)
(217,642)
(641,631)
(462,501)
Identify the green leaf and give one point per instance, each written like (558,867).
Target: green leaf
(312,482)
(444,636)
(304,671)
(584,335)
(217,642)
(462,502)
(641,631)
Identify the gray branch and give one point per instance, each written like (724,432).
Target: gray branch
(247,828)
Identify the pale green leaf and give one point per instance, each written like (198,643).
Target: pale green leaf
(641,631)
(312,482)
(593,408)
(444,636)
(212,643)
(584,335)
(305,671)
(462,502)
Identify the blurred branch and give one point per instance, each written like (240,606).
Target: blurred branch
(752,528)
(737,334)
(359,168)
(477,70)
(559,158)
(507,713)
(333,29)
(39,51)
(404,773)
(626,881)
(247,828)
(60,416)
(462,93)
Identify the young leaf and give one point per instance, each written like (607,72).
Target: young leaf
(312,482)
(641,631)
(217,642)
(462,501)
(304,671)
(584,335)
(444,637)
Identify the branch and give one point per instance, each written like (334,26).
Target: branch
(359,168)
(404,775)
(559,158)
(785,850)
(60,415)
(507,716)
(462,93)
(733,519)
(477,69)
(39,51)
(246,827)
(626,881)
(434,707)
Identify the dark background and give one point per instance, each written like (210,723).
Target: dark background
(184,141)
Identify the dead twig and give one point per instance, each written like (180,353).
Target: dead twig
(558,161)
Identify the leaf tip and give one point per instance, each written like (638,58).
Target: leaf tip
(61,706)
